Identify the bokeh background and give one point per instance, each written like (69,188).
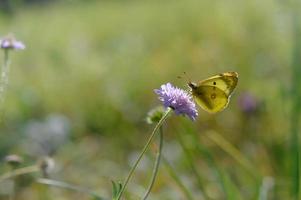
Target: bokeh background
(81,90)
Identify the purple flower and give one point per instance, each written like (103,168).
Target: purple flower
(177,99)
(248,103)
(9,42)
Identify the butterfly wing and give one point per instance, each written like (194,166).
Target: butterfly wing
(210,98)
(213,94)
(225,82)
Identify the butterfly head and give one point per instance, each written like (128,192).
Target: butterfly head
(192,85)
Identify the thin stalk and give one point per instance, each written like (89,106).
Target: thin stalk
(18,172)
(68,186)
(156,166)
(296,102)
(4,76)
(176,178)
(12,194)
(168,111)
(234,152)
(266,186)
(191,161)
(201,150)
(225,184)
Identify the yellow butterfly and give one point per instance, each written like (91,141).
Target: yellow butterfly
(213,94)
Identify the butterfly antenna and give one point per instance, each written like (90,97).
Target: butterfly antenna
(187,77)
(180,76)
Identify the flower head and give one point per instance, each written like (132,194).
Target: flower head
(9,42)
(154,115)
(248,103)
(13,160)
(177,99)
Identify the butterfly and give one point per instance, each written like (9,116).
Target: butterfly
(213,94)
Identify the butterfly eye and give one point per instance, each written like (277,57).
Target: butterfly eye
(214,83)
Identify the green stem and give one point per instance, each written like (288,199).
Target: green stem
(176,178)
(68,186)
(296,103)
(191,161)
(156,166)
(266,186)
(201,150)
(143,151)
(234,152)
(4,75)
(18,172)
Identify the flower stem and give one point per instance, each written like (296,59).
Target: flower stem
(18,172)
(156,166)
(143,151)
(4,76)
(65,185)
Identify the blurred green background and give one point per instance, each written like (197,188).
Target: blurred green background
(81,90)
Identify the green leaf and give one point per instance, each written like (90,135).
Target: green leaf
(231,189)
(116,188)
(97,198)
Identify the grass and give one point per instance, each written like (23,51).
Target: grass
(97,64)
(296,108)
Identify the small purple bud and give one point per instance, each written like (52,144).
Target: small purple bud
(9,42)
(248,103)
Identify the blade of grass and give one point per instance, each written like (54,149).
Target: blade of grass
(233,152)
(19,172)
(177,179)
(191,162)
(296,105)
(232,192)
(68,186)
(225,183)
(266,186)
